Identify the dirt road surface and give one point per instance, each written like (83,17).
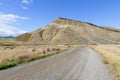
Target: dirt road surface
(80,63)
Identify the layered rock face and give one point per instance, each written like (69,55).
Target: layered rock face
(67,31)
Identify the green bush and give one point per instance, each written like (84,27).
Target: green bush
(7,64)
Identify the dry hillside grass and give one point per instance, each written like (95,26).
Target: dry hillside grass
(19,54)
(111,55)
(5,41)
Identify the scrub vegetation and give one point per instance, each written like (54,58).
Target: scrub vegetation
(11,56)
(111,57)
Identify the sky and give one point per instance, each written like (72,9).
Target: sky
(20,16)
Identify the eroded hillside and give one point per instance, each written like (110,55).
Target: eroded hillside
(67,31)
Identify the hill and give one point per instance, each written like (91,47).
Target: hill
(6,37)
(67,31)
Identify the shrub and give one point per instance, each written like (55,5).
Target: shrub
(33,50)
(23,58)
(57,49)
(7,64)
(44,52)
(48,50)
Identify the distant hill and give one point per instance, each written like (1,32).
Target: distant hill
(6,37)
(67,31)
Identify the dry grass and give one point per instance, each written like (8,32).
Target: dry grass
(111,56)
(4,42)
(14,55)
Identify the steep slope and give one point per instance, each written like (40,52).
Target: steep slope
(67,31)
(25,37)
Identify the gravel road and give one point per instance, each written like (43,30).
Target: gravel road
(80,63)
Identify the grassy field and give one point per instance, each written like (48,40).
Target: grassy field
(15,55)
(111,57)
(4,41)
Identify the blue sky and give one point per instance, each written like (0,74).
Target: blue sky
(19,16)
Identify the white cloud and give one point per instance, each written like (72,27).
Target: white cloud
(25,4)
(26,1)
(8,30)
(24,7)
(8,18)
(6,22)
